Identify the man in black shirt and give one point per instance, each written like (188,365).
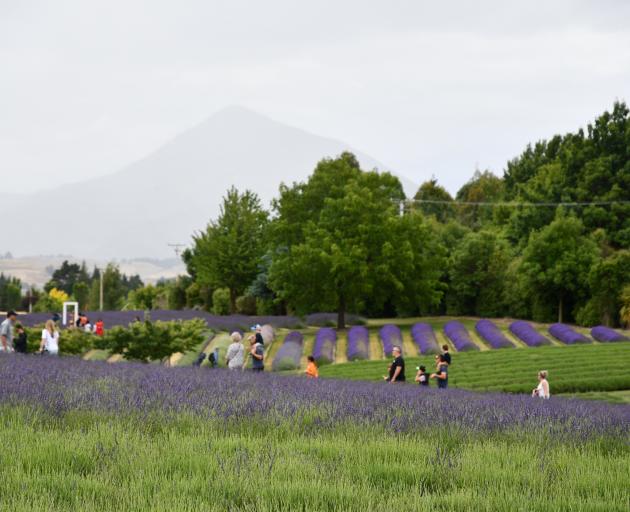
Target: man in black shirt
(397,368)
(446,354)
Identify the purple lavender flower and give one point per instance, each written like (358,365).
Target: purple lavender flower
(325,345)
(457,333)
(290,353)
(492,334)
(223,396)
(358,343)
(527,334)
(566,334)
(606,334)
(390,336)
(424,338)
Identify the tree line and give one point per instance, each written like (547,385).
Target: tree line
(549,241)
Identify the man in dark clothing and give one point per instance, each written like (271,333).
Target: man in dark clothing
(446,354)
(257,352)
(397,368)
(441,372)
(20,341)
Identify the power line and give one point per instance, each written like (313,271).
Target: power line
(513,204)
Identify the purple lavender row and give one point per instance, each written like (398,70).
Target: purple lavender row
(224,396)
(216,322)
(289,354)
(527,334)
(607,335)
(457,333)
(390,335)
(330,319)
(424,337)
(492,334)
(358,343)
(566,334)
(325,345)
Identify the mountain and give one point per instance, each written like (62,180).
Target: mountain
(171,193)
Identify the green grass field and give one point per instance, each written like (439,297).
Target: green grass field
(572,369)
(83,462)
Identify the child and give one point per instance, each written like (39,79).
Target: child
(421,377)
(20,342)
(311,368)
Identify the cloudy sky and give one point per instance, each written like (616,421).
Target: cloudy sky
(88,87)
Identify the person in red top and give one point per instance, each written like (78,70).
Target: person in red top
(99,328)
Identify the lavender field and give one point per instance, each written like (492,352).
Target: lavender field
(96,436)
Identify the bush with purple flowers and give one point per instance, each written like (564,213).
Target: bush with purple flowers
(527,334)
(607,335)
(489,332)
(566,334)
(458,334)
(330,319)
(289,354)
(424,337)
(325,345)
(390,336)
(358,343)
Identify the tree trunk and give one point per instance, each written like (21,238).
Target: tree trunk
(341,313)
(560,315)
(232,301)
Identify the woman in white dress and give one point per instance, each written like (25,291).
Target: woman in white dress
(50,339)
(542,390)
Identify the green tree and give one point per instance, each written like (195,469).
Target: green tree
(557,262)
(483,187)
(228,252)
(81,293)
(143,298)
(10,292)
(477,275)
(340,240)
(66,276)
(606,280)
(430,191)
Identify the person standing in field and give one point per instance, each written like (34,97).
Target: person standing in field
(6,332)
(20,343)
(421,377)
(397,368)
(311,368)
(542,390)
(257,351)
(235,357)
(446,354)
(50,339)
(99,327)
(441,372)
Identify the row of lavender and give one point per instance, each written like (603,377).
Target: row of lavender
(148,391)
(216,322)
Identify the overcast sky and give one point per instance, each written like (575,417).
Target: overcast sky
(86,87)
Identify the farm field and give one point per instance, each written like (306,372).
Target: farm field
(90,436)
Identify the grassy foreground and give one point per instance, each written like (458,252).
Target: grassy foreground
(88,462)
(572,369)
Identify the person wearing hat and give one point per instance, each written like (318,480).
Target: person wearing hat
(6,332)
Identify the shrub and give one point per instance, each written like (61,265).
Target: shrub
(492,334)
(325,345)
(246,305)
(457,333)
(358,343)
(221,301)
(424,337)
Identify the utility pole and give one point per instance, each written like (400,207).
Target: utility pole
(177,248)
(100,292)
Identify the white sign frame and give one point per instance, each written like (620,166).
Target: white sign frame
(74,305)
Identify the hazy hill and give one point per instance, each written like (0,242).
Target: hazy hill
(166,196)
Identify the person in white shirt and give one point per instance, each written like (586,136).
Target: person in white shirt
(542,390)
(235,357)
(50,339)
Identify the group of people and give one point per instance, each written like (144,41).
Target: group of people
(83,322)
(235,357)
(396,370)
(13,337)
